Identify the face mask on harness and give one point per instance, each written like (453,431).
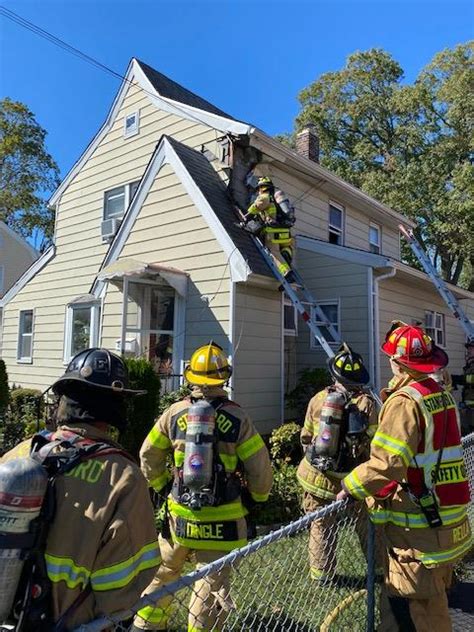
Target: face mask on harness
(341,433)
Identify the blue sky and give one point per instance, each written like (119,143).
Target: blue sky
(251,58)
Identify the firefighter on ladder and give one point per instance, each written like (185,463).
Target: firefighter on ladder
(207,532)
(277,216)
(332,450)
(101,548)
(466,380)
(416,486)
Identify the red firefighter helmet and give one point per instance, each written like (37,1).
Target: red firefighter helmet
(410,346)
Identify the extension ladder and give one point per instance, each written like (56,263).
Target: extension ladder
(292,293)
(438,282)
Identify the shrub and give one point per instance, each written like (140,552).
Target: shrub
(22,418)
(284,503)
(4,390)
(310,382)
(25,401)
(142,410)
(173,396)
(285,444)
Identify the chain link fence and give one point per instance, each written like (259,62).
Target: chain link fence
(270,585)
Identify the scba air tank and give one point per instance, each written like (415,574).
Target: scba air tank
(198,468)
(326,443)
(23,484)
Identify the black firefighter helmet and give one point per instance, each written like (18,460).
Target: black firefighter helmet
(348,367)
(97,369)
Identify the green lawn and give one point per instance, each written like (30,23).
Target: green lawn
(272,590)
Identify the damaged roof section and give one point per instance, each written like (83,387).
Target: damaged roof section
(213,189)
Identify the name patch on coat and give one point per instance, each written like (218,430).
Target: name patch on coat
(223,531)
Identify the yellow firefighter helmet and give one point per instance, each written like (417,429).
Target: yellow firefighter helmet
(208,366)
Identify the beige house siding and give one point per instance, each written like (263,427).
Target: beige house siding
(15,258)
(408,301)
(330,278)
(80,250)
(170,230)
(258,354)
(312,215)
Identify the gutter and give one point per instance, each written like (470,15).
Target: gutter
(231,349)
(312,169)
(376,320)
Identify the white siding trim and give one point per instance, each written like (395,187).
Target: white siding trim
(28,275)
(165,154)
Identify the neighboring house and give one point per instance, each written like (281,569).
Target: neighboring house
(16,256)
(148,259)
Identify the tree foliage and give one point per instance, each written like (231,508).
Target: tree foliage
(27,173)
(410,146)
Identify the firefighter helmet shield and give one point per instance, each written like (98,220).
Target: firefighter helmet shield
(208,366)
(348,367)
(265,183)
(411,347)
(97,369)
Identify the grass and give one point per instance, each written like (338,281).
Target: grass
(272,590)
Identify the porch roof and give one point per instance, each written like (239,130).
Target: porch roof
(128,267)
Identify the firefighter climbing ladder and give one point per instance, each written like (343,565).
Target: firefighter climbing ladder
(438,282)
(292,294)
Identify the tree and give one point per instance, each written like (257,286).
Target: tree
(410,146)
(27,173)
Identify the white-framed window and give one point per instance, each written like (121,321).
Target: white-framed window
(290,318)
(336,223)
(2,279)
(131,124)
(25,336)
(82,328)
(116,200)
(332,311)
(435,325)
(375,238)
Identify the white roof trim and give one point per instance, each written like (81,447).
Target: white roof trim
(351,255)
(135,73)
(460,292)
(18,238)
(165,154)
(28,275)
(215,121)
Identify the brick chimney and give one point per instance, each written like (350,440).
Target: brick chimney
(307,143)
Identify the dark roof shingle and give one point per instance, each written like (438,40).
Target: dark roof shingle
(171,90)
(219,200)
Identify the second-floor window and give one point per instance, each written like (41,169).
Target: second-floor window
(116,200)
(375,238)
(130,124)
(336,224)
(436,327)
(82,328)
(290,318)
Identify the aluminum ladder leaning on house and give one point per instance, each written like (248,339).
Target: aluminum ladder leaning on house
(292,294)
(438,282)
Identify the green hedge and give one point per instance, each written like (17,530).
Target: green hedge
(143,410)
(310,382)
(4,390)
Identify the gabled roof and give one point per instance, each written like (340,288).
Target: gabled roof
(169,89)
(32,271)
(210,197)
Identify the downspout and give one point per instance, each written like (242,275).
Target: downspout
(282,359)
(376,311)
(231,350)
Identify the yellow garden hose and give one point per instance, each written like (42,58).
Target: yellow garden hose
(332,616)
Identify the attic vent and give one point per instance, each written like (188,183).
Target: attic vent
(109,228)
(130,127)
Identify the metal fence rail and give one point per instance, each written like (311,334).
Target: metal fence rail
(270,587)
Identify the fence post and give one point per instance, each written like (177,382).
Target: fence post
(370,575)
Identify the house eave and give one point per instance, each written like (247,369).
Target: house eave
(32,271)
(320,176)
